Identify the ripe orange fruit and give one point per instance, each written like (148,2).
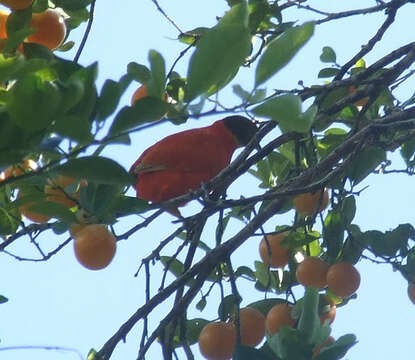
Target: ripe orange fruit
(4,14)
(94,246)
(75,228)
(17,4)
(140,93)
(343,279)
(329,341)
(252,326)
(57,191)
(31,215)
(279,254)
(50,29)
(278,316)
(411,291)
(311,203)
(217,340)
(312,271)
(327,310)
(17,170)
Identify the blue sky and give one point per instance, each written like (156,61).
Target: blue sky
(59,303)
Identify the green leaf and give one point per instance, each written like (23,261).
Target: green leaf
(288,343)
(237,15)
(280,51)
(332,138)
(365,163)
(72,4)
(228,307)
(201,304)
(53,209)
(86,105)
(245,271)
(348,209)
(388,243)
(140,73)
(156,84)
(97,169)
(327,73)
(354,245)
(8,222)
(264,306)
(286,110)
(338,349)
(333,233)
(309,322)
(194,328)
(10,65)
(73,127)
(219,54)
(147,109)
(249,353)
(72,92)
(173,265)
(328,55)
(108,99)
(128,205)
(33,103)
(99,198)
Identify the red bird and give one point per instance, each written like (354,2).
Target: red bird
(182,162)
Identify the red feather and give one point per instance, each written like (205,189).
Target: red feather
(183,161)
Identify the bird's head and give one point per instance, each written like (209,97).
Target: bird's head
(241,128)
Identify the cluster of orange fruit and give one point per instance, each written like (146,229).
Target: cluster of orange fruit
(94,244)
(217,339)
(49,26)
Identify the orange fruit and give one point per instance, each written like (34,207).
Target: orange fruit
(252,326)
(17,4)
(329,341)
(27,165)
(4,14)
(140,93)
(343,279)
(311,203)
(17,170)
(31,215)
(57,191)
(94,246)
(327,309)
(217,340)
(411,292)
(272,252)
(278,316)
(312,271)
(50,29)
(75,229)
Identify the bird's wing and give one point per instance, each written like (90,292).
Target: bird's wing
(142,168)
(189,151)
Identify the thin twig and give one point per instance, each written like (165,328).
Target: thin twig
(86,33)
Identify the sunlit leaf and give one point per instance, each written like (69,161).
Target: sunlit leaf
(219,53)
(98,169)
(280,51)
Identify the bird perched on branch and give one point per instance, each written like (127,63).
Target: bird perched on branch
(182,162)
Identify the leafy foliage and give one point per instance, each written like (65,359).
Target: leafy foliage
(337,135)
